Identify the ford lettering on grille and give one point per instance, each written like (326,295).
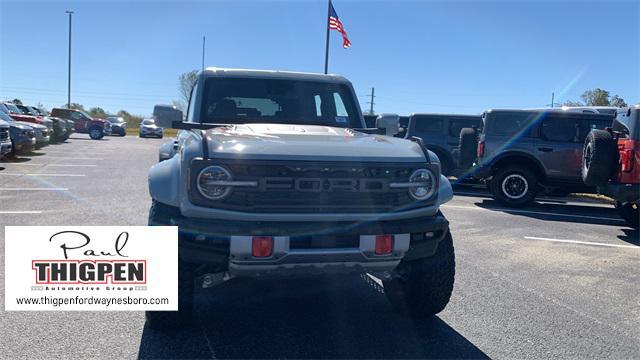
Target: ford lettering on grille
(310,184)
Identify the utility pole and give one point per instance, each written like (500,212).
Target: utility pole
(371,102)
(70,13)
(552,99)
(203,42)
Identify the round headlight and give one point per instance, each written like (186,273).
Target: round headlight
(208,182)
(425,184)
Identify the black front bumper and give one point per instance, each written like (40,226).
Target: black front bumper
(206,241)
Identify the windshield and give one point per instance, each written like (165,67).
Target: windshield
(148,122)
(12,108)
(241,101)
(115,120)
(4,116)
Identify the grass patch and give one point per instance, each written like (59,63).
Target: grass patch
(595,197)
(167,132)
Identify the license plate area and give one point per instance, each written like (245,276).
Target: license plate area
(324,242)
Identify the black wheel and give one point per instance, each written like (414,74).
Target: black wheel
(167,320)
(422,288)
(123,133)
(599,158)
(96,133)
(629,212)
(514,185)
(468,147)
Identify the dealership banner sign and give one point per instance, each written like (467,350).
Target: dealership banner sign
(91,268)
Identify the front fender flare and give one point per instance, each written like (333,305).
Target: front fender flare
(164,181)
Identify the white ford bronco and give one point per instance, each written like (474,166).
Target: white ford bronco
(273,174)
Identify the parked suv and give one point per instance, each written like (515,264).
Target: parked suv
(519,152)
(274,175)
(118,125)
(22,137)
(611,161)
(83,123)
(58,132)
(5,140)
(441,134)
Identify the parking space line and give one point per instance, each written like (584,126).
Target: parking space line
(61,165)
(34,189)
(20,212)
(531,212)
(582,242)
(74,158)
(57,175)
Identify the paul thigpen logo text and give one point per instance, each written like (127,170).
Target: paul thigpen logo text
(114,271)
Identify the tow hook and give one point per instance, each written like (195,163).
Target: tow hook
(211,280)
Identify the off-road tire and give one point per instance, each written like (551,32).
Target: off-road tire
(629,212)
(599,158)
(96,133)
(468,147)
(168,320)
(422,288)
(505,179)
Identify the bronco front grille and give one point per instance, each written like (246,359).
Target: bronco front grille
(295,186)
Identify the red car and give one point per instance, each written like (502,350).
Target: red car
(611,161)
(84,123)
(17,115)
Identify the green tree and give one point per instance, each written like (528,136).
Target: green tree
(185,84)
(16,101)
(97,112)
(596,97)
(617,101)
(74,106)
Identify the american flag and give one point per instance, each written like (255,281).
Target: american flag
(335,24)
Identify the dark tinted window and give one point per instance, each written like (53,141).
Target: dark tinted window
(560,129)
(424,124)
(590,124)
(241,101)
(509,123)
(457,124)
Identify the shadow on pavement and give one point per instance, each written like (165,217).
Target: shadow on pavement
(632,236)
(16,159)
(314,318)
(583,214)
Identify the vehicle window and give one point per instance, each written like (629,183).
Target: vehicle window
(560,129)
(340,108)
(76,115)
(510,123)
(428,124)
(192,100)
(148,122)
(456,125)
(13,109)
(318,101)
(241,101)
(590,124)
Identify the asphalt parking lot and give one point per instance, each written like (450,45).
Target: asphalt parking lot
(559,279)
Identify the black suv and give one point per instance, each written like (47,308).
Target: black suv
(441,134)
(521,151)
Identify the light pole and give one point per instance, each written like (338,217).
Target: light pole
(70,13)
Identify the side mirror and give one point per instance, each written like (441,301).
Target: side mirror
(389,122)
(165,116)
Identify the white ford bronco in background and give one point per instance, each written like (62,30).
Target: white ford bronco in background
(274,175)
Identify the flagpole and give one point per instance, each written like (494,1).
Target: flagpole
(326,48)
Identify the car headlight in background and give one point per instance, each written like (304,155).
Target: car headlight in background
(210,182)
(423,184)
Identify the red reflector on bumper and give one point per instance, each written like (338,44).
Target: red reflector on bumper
(262,246)
(384,244)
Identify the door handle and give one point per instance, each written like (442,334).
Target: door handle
(545,149)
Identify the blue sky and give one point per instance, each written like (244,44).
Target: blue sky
(421,56)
